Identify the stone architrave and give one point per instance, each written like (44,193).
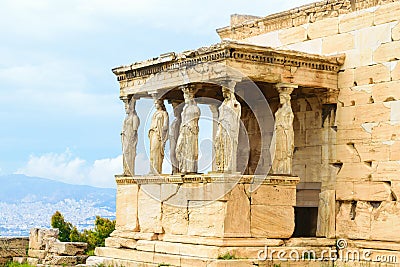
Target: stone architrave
(187,144)
(129,137)
(158,135)
(226,140)
(174,134)
(284,133)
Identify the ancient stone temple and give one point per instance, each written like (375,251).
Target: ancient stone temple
(306,144)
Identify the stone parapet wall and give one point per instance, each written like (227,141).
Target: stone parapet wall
(241,29)
(12,247)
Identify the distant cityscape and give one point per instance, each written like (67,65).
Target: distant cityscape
(18,219)
(21,210)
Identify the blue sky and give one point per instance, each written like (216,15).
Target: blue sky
(60,113)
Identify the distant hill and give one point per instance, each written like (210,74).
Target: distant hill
(17,188)
(27,202)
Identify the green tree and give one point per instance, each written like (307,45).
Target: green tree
(94,238)
(103,228)
(58,221)
(76,236)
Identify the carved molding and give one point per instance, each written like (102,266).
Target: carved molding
(209,178)
(229,50)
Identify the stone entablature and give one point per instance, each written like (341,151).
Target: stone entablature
(295,17)
(164,72)
(208,178)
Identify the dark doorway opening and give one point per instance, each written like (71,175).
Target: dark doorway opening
(305,221)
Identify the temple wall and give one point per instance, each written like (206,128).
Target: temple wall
(366,148)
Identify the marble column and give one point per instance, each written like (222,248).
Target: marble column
(158,136)
(129,136)
(227,136)
(174,133)
(284,133)
(214,111)
(187,147)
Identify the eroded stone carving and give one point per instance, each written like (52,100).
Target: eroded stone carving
(284,132)
(187,144)
(129,137)
(158,135)
(226,140)
(174,134)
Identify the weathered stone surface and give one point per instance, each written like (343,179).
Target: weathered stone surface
(215,214)
(387,13)
(145,245)
(354,172)
(38,237)
(346,78)
(363,113)
(395,187)
(270,39)
(65,260)
(364,191)
(385,224)
(274,196)
(95,261)
(68,248)
(127,207)
(372,74)
(323,28)
(20,260)
(337,43)
(354,220)
(293,35)
(387,52)
(149,210)
(175,220)
(13,247)
(32,261)
(35,253)
(237,217)
(326,214)
(373,37)
(362,151)
(386,171)
(387,91)
(119,242)
(396,32)
(355,20)
(272,221)
(385,132)
(358,57)
(395,73)
(142,256)
(311,46)
(395,151)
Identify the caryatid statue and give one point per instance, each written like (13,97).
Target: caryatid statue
(187,151)
(158,135)
(227,136)
(284,133)
(129,137)
(174,134)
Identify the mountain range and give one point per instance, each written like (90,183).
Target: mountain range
(27,202)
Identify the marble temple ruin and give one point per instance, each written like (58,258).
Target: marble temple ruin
(306,143)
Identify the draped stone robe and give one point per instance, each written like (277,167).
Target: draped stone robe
(187,144)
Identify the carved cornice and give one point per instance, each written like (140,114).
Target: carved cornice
(229,50)
(209,178)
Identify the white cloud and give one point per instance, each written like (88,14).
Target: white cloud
(66,167)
